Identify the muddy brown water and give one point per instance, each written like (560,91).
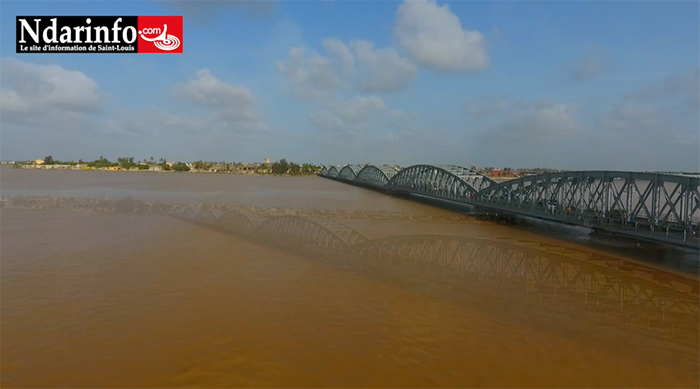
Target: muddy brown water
(107,300)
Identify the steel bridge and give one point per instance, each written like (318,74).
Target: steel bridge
(647,206)
(579,284)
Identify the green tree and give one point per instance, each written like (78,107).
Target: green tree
(294,169)
(48,160)
(102,162)
(126,163)
(201,165)
(280,167)
(180,167)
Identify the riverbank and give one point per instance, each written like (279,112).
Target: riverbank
(118,169)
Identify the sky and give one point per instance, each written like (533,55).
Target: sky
(560,84)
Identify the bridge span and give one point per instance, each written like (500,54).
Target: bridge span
(647,206)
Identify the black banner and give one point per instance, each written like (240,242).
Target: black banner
(77,34)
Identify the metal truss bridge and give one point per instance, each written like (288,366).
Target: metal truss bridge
(647,206)
(575,283)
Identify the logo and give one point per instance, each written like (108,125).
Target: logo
(99,34)
(159,34)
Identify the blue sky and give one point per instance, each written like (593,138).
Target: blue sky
(568,84)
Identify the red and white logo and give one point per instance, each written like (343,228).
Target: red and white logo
(160,34)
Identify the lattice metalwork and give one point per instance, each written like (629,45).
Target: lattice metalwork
(574,285)
(206,216)
(656,207)
(661,206)
(477,180)
(377,176)
(177,211)
(445,182)
(190,213)
(349,172)
(324,171)
(332,171)
(311,233)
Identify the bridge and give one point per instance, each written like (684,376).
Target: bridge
(647,206)
(582,285)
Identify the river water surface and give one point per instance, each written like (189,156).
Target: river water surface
(95,299)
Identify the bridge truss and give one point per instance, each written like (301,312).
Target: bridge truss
(446,182)
(656,207)
(349,172)
(641,204)
(376,176)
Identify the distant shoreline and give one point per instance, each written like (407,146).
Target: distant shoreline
(68,167)
(35,167)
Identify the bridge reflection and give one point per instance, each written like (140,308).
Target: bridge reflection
(579,284)
(654,207)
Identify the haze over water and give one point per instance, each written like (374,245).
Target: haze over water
(112,300)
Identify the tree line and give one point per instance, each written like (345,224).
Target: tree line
(294,169)
(281,167)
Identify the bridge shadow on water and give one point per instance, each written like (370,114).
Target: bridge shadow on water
(672,257)
(550,285)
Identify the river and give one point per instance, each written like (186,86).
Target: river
(100,299)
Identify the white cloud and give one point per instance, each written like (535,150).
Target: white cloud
(631,115)
(39,103)
(310,78)
(434,37)
(536,123)
(153,121)
(337,49)
(31,92)
(357,65)
(326,121)
(12,102)
(349,117)
(382,70)
(362,123)
(359,108)
(666,106)
(233,104)
(684,84)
